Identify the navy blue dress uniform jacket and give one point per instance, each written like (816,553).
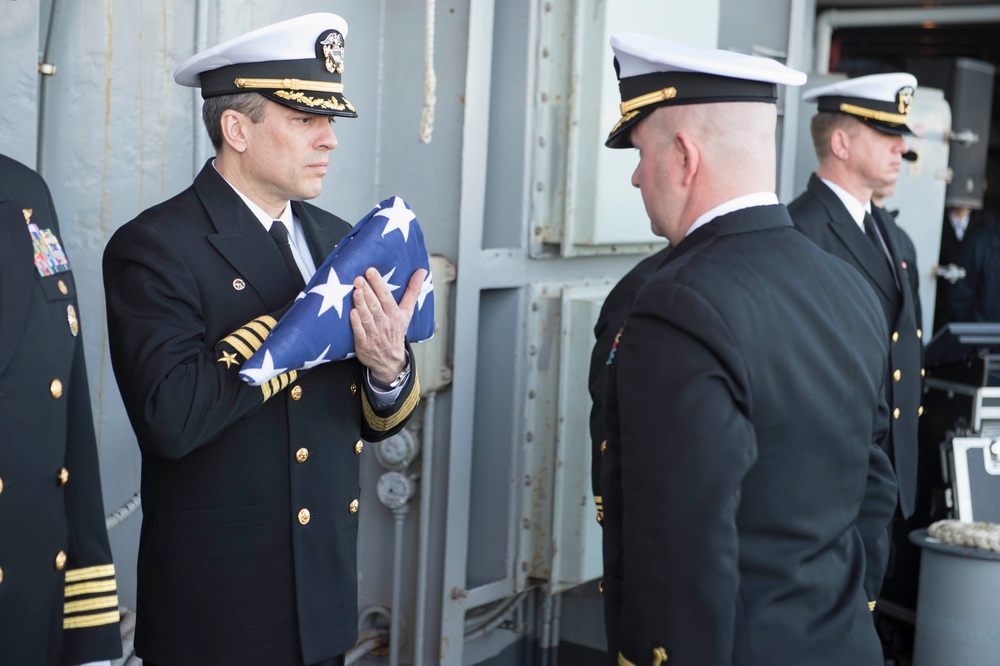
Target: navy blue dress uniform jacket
(248,551)
(822,217)
(746,497)
(58,599)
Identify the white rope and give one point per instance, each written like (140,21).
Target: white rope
(430,78)
(123,512)
(977,535)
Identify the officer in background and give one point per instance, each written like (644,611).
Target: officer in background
(907,250)
(858,133)
(746,497)
(961,227)
(976,297)
(58,598)
(248,549)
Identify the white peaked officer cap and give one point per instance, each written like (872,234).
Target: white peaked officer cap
(297,63)
(654,73)
(880,100)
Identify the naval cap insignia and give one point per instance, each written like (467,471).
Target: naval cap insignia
(332,44)
(239,284)
(904,98)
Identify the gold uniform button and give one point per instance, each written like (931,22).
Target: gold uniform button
(600,518)
(302,455)
(354,388)
(63,289)
(897,375)
(359,446)
(895,413)
(920,334)
(895,336)
(604,446)
(63,476)
(304,516)
(55,388)
(600,588)
(1,575)
(60,560)
(296,392)
(923,372)
(1,485)
(920,410)
(353,508)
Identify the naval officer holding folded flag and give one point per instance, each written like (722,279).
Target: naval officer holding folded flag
(248,552)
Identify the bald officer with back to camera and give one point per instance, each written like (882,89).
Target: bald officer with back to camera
(859,135)
(248,551)
(745,492)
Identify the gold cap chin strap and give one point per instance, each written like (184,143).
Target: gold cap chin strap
(654,97)
(883,116)
(290,84)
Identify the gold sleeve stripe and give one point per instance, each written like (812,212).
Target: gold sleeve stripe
(383,424)
(238,345)
(276,384)
(88,573)
(871,605)
(622,661)
(84,621)
(91,587)
(95,603)
(268,321)
(252,340)
(259,329)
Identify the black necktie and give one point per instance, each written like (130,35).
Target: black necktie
(872,233)
(279,233)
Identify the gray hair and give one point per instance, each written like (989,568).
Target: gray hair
(253,105)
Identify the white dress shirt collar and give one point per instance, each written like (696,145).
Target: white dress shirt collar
(733,205)
(960,223)
(855,208)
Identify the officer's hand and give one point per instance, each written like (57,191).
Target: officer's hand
(379,324)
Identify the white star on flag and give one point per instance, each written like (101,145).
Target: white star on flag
(333,293)
(426,288)
(318,360)
(264,373)
(309,334)
(392,287)
(397,217)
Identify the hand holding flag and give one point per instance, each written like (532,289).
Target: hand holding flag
(380,325)
(318,327)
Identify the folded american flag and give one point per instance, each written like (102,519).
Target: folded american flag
(317,328)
